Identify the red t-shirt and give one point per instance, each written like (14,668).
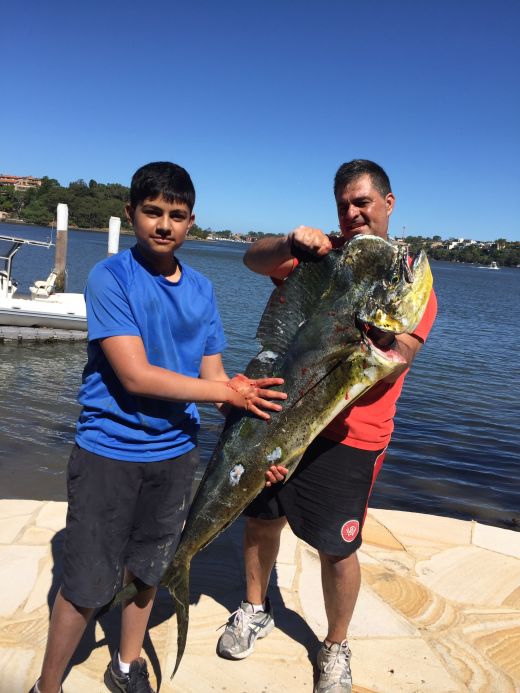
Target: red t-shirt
(368,424)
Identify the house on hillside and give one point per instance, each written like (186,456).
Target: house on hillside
(20,182)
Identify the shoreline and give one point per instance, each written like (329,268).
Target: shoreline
(123,232)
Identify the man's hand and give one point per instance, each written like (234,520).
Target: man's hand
(253,395)
(274,474)
(305,239)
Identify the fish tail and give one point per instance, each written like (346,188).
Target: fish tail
(179,587)
(126,593)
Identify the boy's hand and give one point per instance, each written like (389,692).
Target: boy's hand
(253,394)
(274,474)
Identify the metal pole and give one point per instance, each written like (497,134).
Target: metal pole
(114,227)
(62,224)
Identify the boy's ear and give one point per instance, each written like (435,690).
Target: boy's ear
(192,221)
(129,213)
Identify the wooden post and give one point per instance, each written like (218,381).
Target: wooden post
(114,227)
(60,258)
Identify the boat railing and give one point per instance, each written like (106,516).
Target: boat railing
(7,283)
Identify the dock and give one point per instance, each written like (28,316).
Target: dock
(438,611)
(39,334)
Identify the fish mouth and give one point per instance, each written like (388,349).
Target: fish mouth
(388,351)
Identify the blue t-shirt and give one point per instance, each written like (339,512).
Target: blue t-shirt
(179,323)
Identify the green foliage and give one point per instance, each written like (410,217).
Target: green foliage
(224,235)
(90,205)
(504,253)
(197,232)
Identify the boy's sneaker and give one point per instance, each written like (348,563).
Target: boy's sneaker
(334,666)
(35,688)
(242,629)
(136,681)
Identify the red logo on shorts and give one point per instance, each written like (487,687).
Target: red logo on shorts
(350,530)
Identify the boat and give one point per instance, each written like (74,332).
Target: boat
(43,307)
(492,266)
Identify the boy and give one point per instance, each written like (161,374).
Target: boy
(155,343)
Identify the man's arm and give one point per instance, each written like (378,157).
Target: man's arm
(274,255)
(127,357)
(407,345)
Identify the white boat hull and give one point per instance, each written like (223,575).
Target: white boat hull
(59,311)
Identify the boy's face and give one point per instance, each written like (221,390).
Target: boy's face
(160,227)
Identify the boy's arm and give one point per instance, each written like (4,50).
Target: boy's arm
(212,368)
(274,255)
(127,357)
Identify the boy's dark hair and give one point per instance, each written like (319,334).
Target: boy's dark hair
(162,178)
(348,172)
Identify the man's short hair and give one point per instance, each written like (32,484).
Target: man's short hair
(162,178)
(351,170)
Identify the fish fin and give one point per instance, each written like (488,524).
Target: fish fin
(288,308)
(179,587)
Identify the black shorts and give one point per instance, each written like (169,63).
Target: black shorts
(326,498)
(121,514)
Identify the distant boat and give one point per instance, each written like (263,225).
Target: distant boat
(43,307)
(492,266)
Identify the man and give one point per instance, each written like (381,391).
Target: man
(325,500)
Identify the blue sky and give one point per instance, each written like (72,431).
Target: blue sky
(262,101)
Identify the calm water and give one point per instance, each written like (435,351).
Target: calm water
(455,447)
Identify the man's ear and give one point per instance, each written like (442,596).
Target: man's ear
(129,213)
(390,202)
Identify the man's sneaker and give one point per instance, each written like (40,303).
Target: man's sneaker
(242,629)
(334,666)
(136,681)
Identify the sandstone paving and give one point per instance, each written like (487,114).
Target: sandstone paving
(438,612)
(506,541)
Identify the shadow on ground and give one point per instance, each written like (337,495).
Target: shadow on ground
(217,572)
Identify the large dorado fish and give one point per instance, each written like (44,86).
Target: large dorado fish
(312,336)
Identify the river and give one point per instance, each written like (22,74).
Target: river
(455,450)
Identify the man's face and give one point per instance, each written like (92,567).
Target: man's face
(363,210)
(160,227)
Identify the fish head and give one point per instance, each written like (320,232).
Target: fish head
(391,292)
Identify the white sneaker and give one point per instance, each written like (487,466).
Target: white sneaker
(334,666)
(243,628)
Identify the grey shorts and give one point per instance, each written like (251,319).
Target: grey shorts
(326,498)
(121,514)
